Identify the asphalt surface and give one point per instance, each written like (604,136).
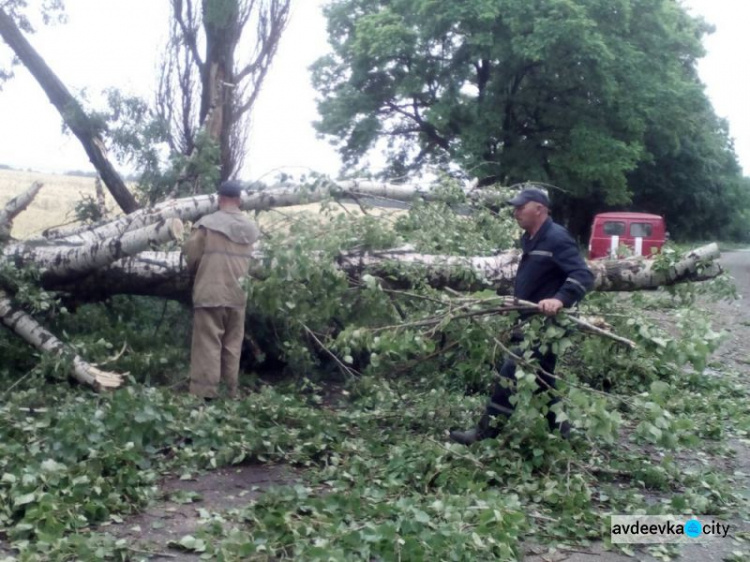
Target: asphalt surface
(734,318)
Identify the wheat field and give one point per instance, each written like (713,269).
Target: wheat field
(52,206)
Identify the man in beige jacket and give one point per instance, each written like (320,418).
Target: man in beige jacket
(218,253)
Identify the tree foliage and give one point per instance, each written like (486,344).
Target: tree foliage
(691,175)
(577,93)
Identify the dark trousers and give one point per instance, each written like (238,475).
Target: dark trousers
(500,404)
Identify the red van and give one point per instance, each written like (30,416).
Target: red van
(645,234)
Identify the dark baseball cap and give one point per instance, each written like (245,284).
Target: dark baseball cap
(231,188)
(529,194)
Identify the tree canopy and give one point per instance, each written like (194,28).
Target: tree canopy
(583,94)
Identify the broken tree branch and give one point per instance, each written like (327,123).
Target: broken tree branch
(73,262)
(14,207)
(33,333)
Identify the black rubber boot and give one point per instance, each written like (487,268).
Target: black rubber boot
(563,427)
(565,430)
(485,429)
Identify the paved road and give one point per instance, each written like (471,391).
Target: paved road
(734,318)
(737,263)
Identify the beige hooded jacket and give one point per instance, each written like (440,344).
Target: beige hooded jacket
(218,253)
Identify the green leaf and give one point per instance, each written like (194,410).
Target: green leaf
(24,499)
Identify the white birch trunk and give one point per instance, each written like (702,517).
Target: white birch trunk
(155,274)
(64,261)
(499,272)
(32,332)
(496,272)
(639,274)
(164,274)
(193,208)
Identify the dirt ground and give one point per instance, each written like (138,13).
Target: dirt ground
(183,502)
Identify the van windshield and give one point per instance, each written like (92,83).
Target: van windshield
(641,229)
(612,228)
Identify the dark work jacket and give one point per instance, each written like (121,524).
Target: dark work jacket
(552,267)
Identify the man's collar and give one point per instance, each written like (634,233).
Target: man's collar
(543,228)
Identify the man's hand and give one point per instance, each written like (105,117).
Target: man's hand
(550,307)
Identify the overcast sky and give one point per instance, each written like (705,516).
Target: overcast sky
(109,43)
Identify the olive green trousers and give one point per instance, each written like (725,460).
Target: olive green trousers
(215,352)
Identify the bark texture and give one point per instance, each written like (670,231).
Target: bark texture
(164,274)
(33,333)
(72,260)
(192,208)
(70,110)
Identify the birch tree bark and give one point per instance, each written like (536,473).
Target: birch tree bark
(33,333)
(71,261)
(164,274)
(192,208)
(499,272)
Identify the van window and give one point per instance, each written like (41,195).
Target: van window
(612,228)
(641,229)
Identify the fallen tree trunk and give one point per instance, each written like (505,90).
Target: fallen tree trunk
(33,333)
(193,208)
(498,272)
(164,274)
(65,262)
(155,274)
(640,274)
(114,257)
(71,264)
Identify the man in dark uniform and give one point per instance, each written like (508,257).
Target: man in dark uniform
(552,274)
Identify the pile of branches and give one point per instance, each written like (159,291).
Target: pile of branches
(122,256)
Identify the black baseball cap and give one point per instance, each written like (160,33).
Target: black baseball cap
(230,188)
(529,194)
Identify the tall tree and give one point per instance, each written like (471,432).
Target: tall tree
(51,11)
(691,174)
(559,91)
(218,57)
(86,129)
